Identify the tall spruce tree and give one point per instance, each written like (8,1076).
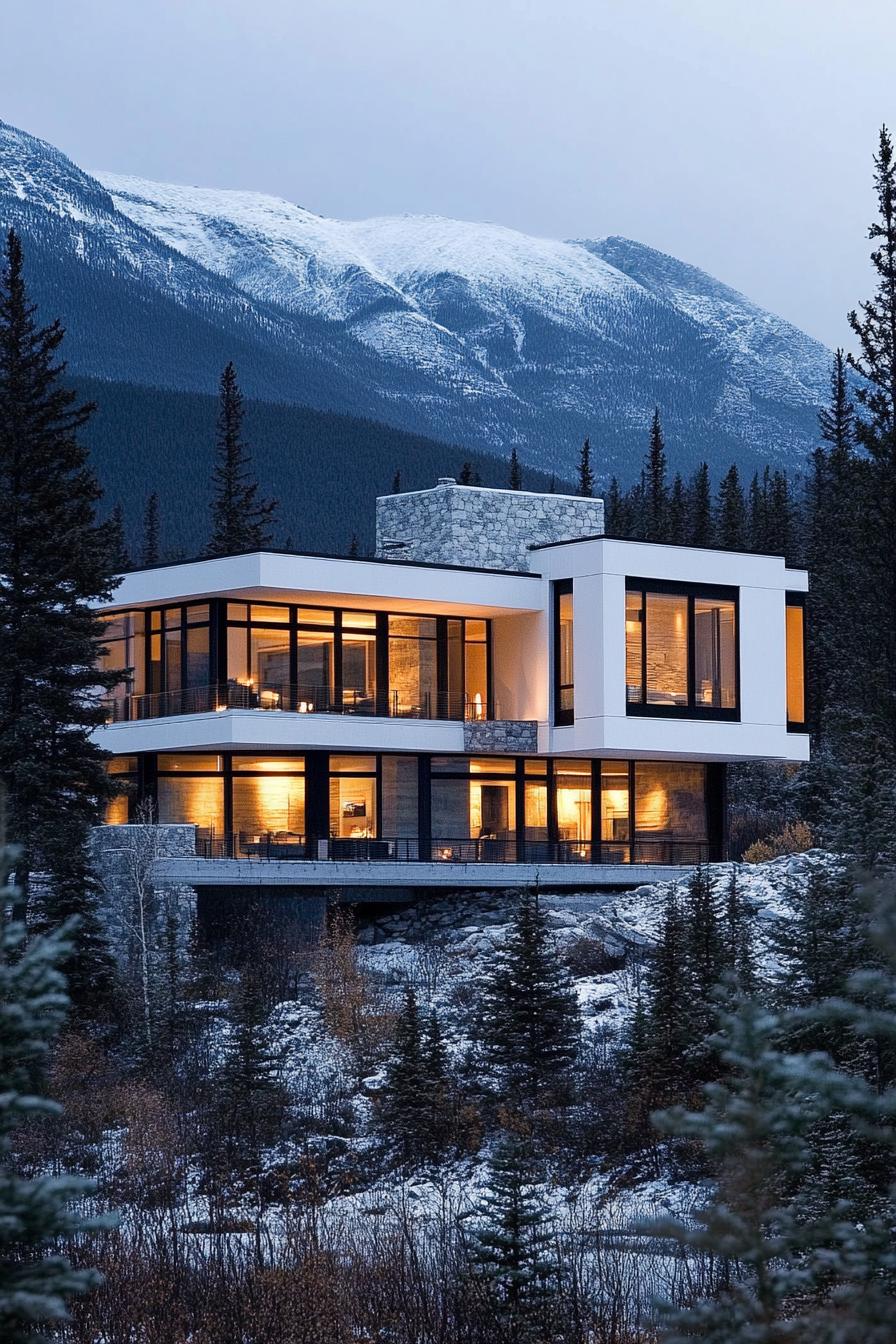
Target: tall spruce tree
(466,474)
(731,515)
(36,1282)
(515,472)
(677,528)
(150,552)
(118,541)
(529,1021)
(56,563)
(512,1248)
(586,472)
(241,520)
(655,504)
(396,483)
(702,530)
(875,328)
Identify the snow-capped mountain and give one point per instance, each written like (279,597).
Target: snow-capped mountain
(473,333)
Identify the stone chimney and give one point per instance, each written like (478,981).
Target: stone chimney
(488,529)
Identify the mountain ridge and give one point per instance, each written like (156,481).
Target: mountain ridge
(469,333)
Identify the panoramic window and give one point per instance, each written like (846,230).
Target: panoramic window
(413,667)
(796,661)
(564,679)
(680,650)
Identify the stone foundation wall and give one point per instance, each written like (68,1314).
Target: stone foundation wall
(490,529)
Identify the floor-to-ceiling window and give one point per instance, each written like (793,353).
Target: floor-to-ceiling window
(413,667)
(125,644)
(572,785)
(564,674)
(473,808)
(353,797)
(670,812)
(681,650)
(795,631)
(268,801)
(190,788)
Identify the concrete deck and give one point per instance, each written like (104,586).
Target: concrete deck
(197,872)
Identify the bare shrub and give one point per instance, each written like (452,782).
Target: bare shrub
(795,838)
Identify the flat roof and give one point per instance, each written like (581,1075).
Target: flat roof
(331,555)
(644,541)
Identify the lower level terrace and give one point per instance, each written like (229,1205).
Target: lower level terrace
(453,811)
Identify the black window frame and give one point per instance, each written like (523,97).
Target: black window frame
(793,599)
(693,710)
(562,717)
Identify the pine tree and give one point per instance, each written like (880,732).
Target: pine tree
(35,1281)
(150,553)
(669,1004)
(702,530)
(737,936)
(614,521)
(656,494)
(56,565)
(354,549)
(875,327)
(120,557)
(529,1021)
(512,1246)
(249,1096)
(731,522)
(677,529)
(552,485)
(396,483)
(515,475)
(586,474)
(241,521)
(466,474)
(755,1131)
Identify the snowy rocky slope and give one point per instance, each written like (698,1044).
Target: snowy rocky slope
(469,332)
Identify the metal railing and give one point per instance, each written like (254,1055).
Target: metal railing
(448,849)
(300,698)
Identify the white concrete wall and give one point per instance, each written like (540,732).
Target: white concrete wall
(602,726)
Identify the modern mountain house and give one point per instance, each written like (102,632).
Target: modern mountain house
(501,685)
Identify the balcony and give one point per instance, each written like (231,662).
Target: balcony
(451,850)
(297,699)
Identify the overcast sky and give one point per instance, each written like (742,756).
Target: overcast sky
(735,134)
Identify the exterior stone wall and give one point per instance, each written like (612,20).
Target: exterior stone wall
(491,529)
(517,737)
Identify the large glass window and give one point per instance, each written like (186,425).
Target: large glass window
(353,797)
(124,642)
(573,787)
(670,810)
(473,808)
(268,800)
(359,662)
(615,812)
(413,667)
(715,653)
(191,789)
(124,770)
(564,689)
(795,612)
(680,650)
(476,668)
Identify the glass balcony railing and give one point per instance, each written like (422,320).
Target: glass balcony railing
(298,699)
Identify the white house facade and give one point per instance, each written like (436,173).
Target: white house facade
(502,684)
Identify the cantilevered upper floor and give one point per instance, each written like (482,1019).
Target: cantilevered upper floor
(548,638)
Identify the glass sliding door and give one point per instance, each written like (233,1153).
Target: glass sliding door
(670,812)
(572,784)
(268,801)
(359,662)
(615,813)
(413,667)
